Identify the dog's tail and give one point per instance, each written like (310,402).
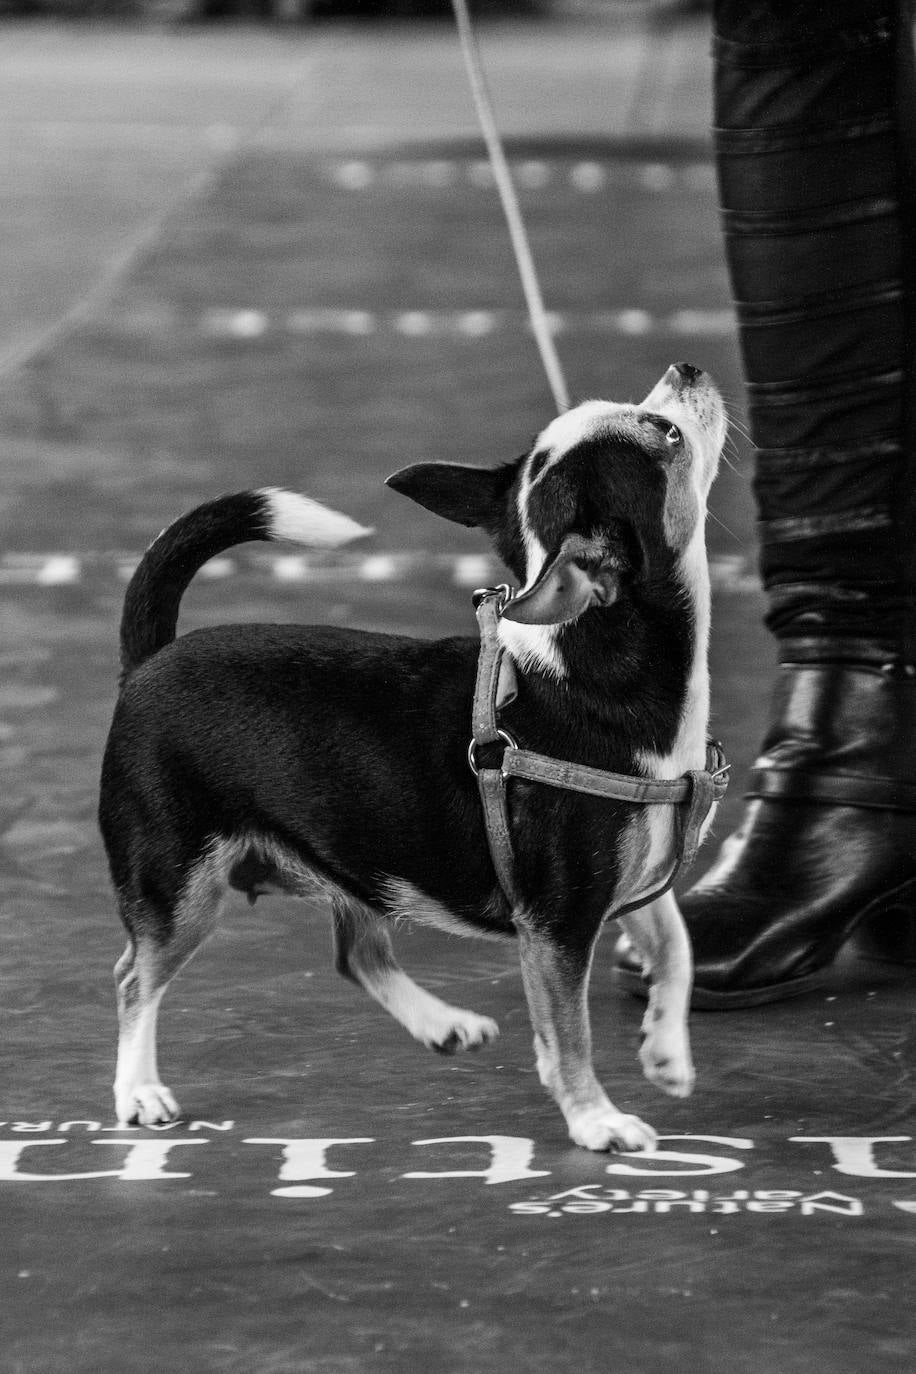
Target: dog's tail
(151,605)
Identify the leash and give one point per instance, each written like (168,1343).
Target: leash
(503,178)
(694,793)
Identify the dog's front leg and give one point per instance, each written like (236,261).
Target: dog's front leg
(660,938)
(556,985)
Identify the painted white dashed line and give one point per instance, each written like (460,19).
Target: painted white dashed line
(353,176)
(235,324)
(41,569)
(476,324)
(246,325)
(732,574)
(588,177)
(60,570)
(629,322)
(416,324)
(583,176)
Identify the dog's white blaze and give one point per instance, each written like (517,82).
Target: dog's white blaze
(704,425)
(535,646)
(576,426)
(304,521)
(689,748)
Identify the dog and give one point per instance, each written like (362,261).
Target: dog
(284,757)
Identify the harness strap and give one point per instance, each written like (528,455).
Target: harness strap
(490,781)
(578,777)
(492,788)
(486,688)
(694,793)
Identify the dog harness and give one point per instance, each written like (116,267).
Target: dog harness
(694,794)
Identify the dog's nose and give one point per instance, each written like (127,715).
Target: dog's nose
(687,371)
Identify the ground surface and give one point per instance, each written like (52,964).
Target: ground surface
(241,259)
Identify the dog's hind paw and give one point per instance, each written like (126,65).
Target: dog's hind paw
(604,1128)
(460,1030)
(148,1104)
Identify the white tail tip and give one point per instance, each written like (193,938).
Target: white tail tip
(304,521)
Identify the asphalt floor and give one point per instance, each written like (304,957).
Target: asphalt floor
(246,257)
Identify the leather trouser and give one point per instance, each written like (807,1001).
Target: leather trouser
(815,137)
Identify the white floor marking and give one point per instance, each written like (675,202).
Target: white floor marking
(476,323)
(250,326)
(218,568)
(701,322)
(730,573)
(234,324)
(588,177)
(354,176)
(632,322)
(59,570)
(325,320)
(584,176)
(291,567)
(557,321)
(380,567)
(472,570)
(416,324)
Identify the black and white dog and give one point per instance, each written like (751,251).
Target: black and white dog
(289,757)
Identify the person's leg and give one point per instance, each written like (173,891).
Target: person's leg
(816,150)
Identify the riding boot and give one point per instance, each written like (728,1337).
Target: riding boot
(816,154)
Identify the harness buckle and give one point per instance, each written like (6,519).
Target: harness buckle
(724,767)
(503,594)
(474,745)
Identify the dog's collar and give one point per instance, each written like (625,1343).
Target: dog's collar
(694,793)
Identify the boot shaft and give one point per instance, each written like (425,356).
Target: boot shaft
(816,154)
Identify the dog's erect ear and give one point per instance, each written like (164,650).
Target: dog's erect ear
(469,496)
(577,577)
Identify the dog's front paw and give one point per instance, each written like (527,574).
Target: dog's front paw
(604,1128)
(147,1104)
(459,1030)
(666,1062)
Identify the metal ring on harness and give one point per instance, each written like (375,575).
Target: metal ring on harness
(504,735)
(502,595)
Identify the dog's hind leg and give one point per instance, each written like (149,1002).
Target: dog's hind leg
(660,938)
(363,953)
(140,1097)
(555,970)
(156,950)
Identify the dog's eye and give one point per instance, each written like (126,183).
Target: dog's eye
(672,434)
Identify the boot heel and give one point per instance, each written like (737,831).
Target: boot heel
(888,931)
